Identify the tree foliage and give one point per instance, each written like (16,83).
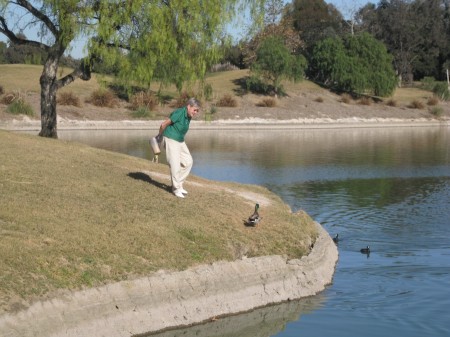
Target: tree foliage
(172,41)
(315,20)
(415,32)
(3,48)
(357,64)
(275,23)
(274,62)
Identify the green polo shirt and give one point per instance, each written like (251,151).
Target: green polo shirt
(180,125)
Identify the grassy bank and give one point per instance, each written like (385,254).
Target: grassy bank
(73,216)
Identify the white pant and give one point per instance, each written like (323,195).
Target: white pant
(180,161)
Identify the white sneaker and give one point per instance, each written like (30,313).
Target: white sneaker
(178,193)
(182,190)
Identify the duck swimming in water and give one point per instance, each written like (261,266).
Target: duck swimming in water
(365,250)
(253,219)
(336,239)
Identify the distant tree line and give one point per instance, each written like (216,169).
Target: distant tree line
(26,54)
(416,33)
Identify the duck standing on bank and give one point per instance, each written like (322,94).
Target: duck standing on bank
(253,219)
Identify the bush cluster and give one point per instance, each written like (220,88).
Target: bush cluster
(17,104)
(392,102)
(144,99)
(433,100)
(437,111)
(68,98)
(416,104)
(20,107)
(103,98)
(227,66)
(365,101)
(346,98)
(208,91)
(440,89)
(227,101)
(182,99)
(267,103)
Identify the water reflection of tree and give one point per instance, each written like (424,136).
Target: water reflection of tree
(377,193)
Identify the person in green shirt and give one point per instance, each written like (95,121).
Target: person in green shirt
(173,131)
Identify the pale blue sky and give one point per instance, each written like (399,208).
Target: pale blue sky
(346,7)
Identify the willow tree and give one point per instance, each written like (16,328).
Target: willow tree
(174,40)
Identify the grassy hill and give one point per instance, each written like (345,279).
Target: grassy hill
(73,216)
(305,99)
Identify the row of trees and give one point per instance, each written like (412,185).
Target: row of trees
(415,32)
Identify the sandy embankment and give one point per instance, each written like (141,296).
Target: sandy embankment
(173,299)
(26,124)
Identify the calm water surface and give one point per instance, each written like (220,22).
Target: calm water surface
(387,188)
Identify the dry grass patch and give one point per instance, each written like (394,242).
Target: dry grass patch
(433,100)
(346,98)
(103,98)
(267,103)
(144,99)
(319,99)
(73,216)
(416,104)
(8,98)
(227,100)
(391,102)
(68,98)
(365,101)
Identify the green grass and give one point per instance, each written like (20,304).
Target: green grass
(18,107)
(73,216)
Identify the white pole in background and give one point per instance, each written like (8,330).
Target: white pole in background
(448,82)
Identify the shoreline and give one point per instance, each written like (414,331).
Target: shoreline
(168,300)
(27,124)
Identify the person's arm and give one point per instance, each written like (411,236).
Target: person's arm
(163,126)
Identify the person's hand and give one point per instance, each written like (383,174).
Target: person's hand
(159,138)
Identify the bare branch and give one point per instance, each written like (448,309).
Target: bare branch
(38,14)
(15,39)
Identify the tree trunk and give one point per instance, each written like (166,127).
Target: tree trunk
(49,87)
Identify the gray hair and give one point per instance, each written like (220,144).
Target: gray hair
(193,102)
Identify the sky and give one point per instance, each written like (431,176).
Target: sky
(346,7)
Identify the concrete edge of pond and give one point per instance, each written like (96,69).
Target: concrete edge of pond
(176,299)
(249,123)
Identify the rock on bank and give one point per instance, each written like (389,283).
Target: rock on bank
(172,299)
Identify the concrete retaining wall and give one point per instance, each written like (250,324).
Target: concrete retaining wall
(170,299)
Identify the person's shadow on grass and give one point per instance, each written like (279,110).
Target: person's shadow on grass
(145,177)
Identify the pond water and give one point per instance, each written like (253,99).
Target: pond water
(388,188)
